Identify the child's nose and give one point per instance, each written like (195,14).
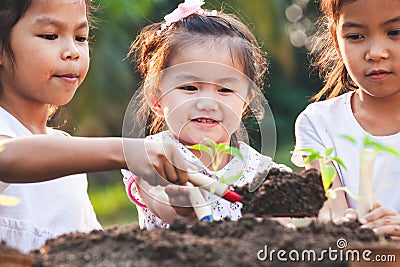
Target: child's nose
(71,51)
(207,104)
(377,50)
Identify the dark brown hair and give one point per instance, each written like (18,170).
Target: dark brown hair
(152,49)
(324,55)
(11,11)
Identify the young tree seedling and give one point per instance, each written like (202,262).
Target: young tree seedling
(367,165)
(216,151)
(328,173)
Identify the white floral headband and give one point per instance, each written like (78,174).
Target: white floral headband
(184,10)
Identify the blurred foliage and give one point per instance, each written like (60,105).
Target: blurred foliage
(111,205)
(99,105)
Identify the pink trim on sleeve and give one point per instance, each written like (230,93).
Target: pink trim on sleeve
(129,184)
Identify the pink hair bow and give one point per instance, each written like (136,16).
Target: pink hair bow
(184,10)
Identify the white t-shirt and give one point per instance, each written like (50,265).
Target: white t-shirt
(46,209)
(321,125)
(221,208)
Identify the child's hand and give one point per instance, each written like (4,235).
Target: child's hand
(156,162)
(179,200)
(382,220)
(349,215)
(168,203)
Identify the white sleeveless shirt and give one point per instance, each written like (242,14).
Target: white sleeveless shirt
(47,209)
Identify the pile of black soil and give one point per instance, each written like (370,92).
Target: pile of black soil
(247,242)
(284,194)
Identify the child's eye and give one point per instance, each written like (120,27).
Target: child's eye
(225,90)
(188,88)
(81,39)
(394,33)
(49,36)
(354,37)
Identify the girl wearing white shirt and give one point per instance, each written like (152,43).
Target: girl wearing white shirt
(44,57)
(358,52)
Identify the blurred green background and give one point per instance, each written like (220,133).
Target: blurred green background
(283,27)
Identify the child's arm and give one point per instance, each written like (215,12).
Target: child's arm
(43,157)
(158,200)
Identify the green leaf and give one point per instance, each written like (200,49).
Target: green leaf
(349,138)
(329,151)
(328,172)
(368,142)
(231,179)
(201,147)
(391,151)
(211,143)
(234,152)
(339,161)
(379,147)
(221,147)
(313,155)
(311,158)
(372,144)
(348,191)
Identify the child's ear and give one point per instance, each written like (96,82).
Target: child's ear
(332,30)
(156,107)
(249,98)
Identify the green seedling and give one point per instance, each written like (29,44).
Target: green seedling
(217,151)
(367,163)
(377,147)
(7,200)
(328,173)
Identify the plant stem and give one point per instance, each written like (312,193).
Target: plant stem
(367,163)
(326,184)
(330,208)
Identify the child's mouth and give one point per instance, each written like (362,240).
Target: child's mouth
(378,74)
(205,122)
(68,77)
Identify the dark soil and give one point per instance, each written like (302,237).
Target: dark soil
(205,244)
(224,243)
(284,194)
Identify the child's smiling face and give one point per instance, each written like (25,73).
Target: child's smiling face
(203,93)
